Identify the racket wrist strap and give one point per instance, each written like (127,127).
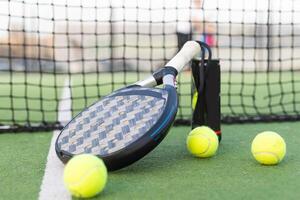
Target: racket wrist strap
(169,76)
(159,74)
(169,70)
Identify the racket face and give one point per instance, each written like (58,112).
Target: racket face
(118,126)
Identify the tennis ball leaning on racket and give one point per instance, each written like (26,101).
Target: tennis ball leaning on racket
(85,175)
(202,142)
(268,148)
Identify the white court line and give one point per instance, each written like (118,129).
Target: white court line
(52,187)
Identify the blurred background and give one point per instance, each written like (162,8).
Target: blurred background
(75,36)
(93,47)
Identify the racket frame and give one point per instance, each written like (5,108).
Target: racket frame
(158,131)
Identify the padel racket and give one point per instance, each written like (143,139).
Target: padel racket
(124,126)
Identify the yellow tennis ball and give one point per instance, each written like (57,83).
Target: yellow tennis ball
(268,148)
(85,175)
(194,100)
(202,142)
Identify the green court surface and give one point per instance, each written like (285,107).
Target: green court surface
(22,163)
(169,172)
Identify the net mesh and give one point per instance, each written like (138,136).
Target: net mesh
(59,56)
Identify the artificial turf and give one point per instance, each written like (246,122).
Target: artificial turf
(169,172)
(22,164)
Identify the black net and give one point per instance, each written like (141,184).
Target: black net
(59,56)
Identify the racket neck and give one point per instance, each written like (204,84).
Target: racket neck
(148,82)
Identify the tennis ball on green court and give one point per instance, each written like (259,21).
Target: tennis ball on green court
(194,100)
(85,175)
(268,148)
(202,142)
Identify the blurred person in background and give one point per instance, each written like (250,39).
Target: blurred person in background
(194,25)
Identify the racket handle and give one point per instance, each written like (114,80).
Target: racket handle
(189,50)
